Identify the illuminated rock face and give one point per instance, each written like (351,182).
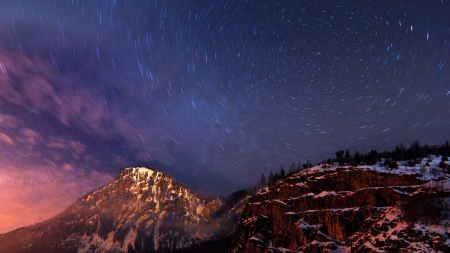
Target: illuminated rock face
(342,210)
(143,210)
(368,209)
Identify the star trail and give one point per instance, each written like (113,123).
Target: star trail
(214,93)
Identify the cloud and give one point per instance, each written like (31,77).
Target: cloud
(60,143)
(8,121)
(32,83)
(43,169)
(30,195)
(67,167)
(6,139)
(29,136)
(94,121)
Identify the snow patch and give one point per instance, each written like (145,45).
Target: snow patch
(324,193)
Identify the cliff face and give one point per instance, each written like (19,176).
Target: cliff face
(323,210)
(142,211)
(315,210)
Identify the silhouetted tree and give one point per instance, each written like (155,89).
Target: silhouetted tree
(399,153)
(394,165)
(292,168)
(347,157)
(282,172)
(339,154)
(372,157)
(276,177)
(415,149)
(413,155)
(442,165)
(356,159)
(424,151)
(299,166)
(263,180)
(271,178)
(307,164)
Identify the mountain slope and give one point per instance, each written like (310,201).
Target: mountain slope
(347,210)
(143,210)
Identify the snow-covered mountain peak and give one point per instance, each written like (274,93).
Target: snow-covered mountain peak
(145,182)
(141,174)
(143,210)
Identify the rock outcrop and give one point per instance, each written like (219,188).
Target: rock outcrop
(323,210)
(369,209)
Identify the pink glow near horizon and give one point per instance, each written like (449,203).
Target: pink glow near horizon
(33,195)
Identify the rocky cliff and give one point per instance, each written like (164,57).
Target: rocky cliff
(321,209)
(345,210)
(143,210)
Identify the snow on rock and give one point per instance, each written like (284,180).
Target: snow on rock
(143,210)
(324,193)
(348,209)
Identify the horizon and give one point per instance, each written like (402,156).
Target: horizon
(207,195)
(211,93)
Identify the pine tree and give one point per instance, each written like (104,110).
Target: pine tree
(263,180)
(415,148)
(276,176)
(339,154)
(447,148)
(292,168)
(340,157)
(348,157)
(372,157)
(357,158)
(282,172)
(299,166)
(271,178)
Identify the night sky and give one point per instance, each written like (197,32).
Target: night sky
(214,93)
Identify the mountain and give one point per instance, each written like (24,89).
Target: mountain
(326,208)
(143,210)
(346,209)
